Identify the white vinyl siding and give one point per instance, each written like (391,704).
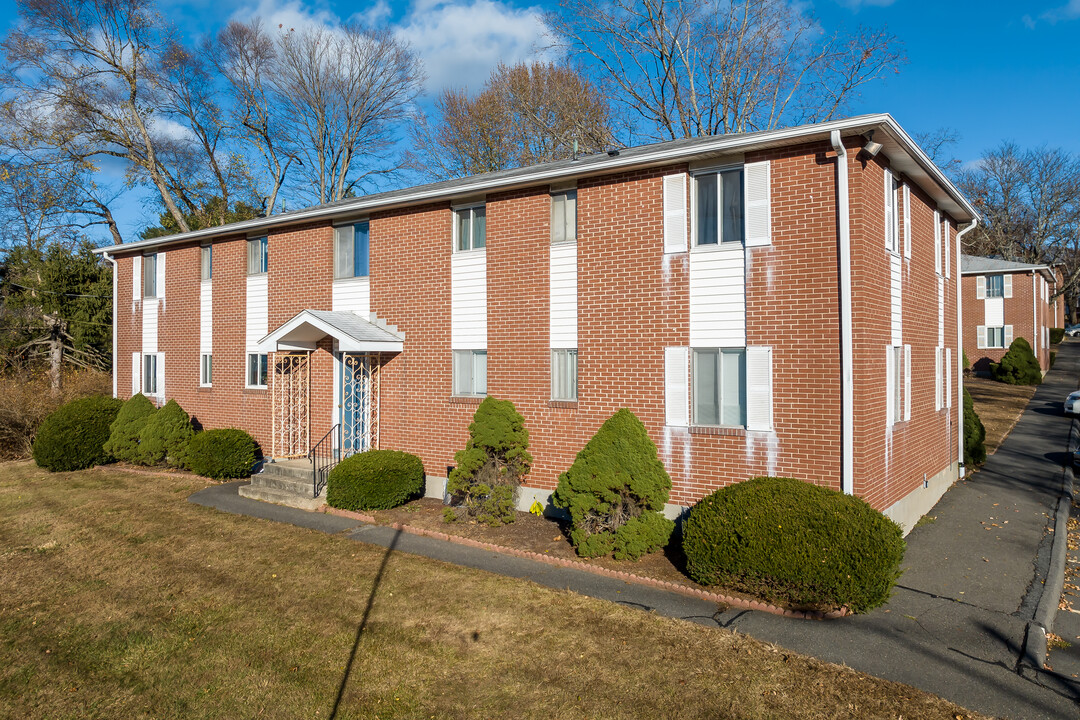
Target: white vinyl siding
(206,316)
(759,401)
(896,298)
(258,255)
(892,219)
(562,296)
(718,297)
(470,228)
(352,295)
(939,362)
(470,372)
(564,216)
(907,221)
(150,325)
(718,208)
(468,300)
(718,387)
(675,213)
(676,387)
(206,369)
(257,312)
(564,374)
(757,182)
(257,370)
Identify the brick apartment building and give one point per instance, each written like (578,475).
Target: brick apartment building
(1004,300)
(781,302)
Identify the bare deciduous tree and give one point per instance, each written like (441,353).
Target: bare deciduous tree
(685,68)
(527,113)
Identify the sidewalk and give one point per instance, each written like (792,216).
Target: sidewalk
(956,623)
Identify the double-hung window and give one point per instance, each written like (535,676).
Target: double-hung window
(470,373)
(149,275)
(995,337)
(564,374)
(995,286)
(718,207)
(892,214)
(470,228)
(206,262)
(257,255)
(718,379)
(256,370)
(564,216)
(351,250)
(206,369)
(149,380)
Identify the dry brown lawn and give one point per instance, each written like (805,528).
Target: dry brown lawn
(999,405)
(119,599)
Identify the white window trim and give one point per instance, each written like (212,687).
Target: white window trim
(454,210)
(720,245)
(554,398)
(202,376)
(352,223)
(690,387)
(142,280)
(453,377)
(551,229)
(247,267)
(247,357)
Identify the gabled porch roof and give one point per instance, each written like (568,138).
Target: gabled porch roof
(352,332)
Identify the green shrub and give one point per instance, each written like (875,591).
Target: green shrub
(1018,366)
(375,480)
(164,438)
(1056,335)
(615,492)
(784,539)
(974,434)
(73,436)
(221,454)
(123,442)
(967,363)
(493,463)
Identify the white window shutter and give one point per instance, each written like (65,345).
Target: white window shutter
(161,377)
(937,378)
(759,402)
(907,221)
(980,337)
(890,383)
(937,242)
(1008,285)
(1008,335)
(980,287)
(136,280)
(948,377)
(757,182)
(907,382)
(676,387)
(136,373)
(889,220)
(161,274)
(948,252)
(675,213)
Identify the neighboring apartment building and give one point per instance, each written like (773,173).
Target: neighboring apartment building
(782,302)
(1004,300)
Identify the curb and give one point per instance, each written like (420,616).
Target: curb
(1033,655)
(587,567)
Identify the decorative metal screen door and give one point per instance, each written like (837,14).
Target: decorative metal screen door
(359,403)
(291,399)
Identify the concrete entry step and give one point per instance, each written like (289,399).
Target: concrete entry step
(281,497)
(292,468)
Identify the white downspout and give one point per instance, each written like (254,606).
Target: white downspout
(114,312)
(847,372)
(959,360)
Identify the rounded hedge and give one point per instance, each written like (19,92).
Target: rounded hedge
(73,436)
(123,442)
(1018,366)
(218,454)
(164,437)
(784,539)
(375,480)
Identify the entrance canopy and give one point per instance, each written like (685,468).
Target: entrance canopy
(352,332)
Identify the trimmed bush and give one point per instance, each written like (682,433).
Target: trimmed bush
(219,454)
(615,492)
(164,438)
(123,442)
(784,539)
(1056,335)
(1018,366)
(974,434)
(375,480)
(73,436)
(493,463)
(967,363)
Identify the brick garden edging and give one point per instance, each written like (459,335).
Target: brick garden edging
(596,570)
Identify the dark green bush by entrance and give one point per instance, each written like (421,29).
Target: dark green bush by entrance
(73,436)
(788,540)
(375,480)
(164,438)
(1018,366)
(615,492)
(123,442)
(220,454)
(1056,335)
(974,434)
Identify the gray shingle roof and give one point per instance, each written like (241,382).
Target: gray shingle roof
(355,326)
(976,264)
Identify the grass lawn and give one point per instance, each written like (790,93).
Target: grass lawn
(118,599)
(999,405)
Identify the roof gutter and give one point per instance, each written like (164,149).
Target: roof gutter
(847,373)
(959,359)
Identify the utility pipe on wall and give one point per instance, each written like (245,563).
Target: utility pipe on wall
(112,260)
(847,373)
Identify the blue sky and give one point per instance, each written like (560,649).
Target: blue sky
(991,70)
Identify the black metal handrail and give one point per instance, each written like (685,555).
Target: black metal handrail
(324,456)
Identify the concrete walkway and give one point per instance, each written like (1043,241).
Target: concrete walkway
(956,623)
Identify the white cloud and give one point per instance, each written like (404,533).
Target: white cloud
(288,14)
(1069,11)
(858,4)
(462,42)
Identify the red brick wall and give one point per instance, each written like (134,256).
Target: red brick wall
(1027,313)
